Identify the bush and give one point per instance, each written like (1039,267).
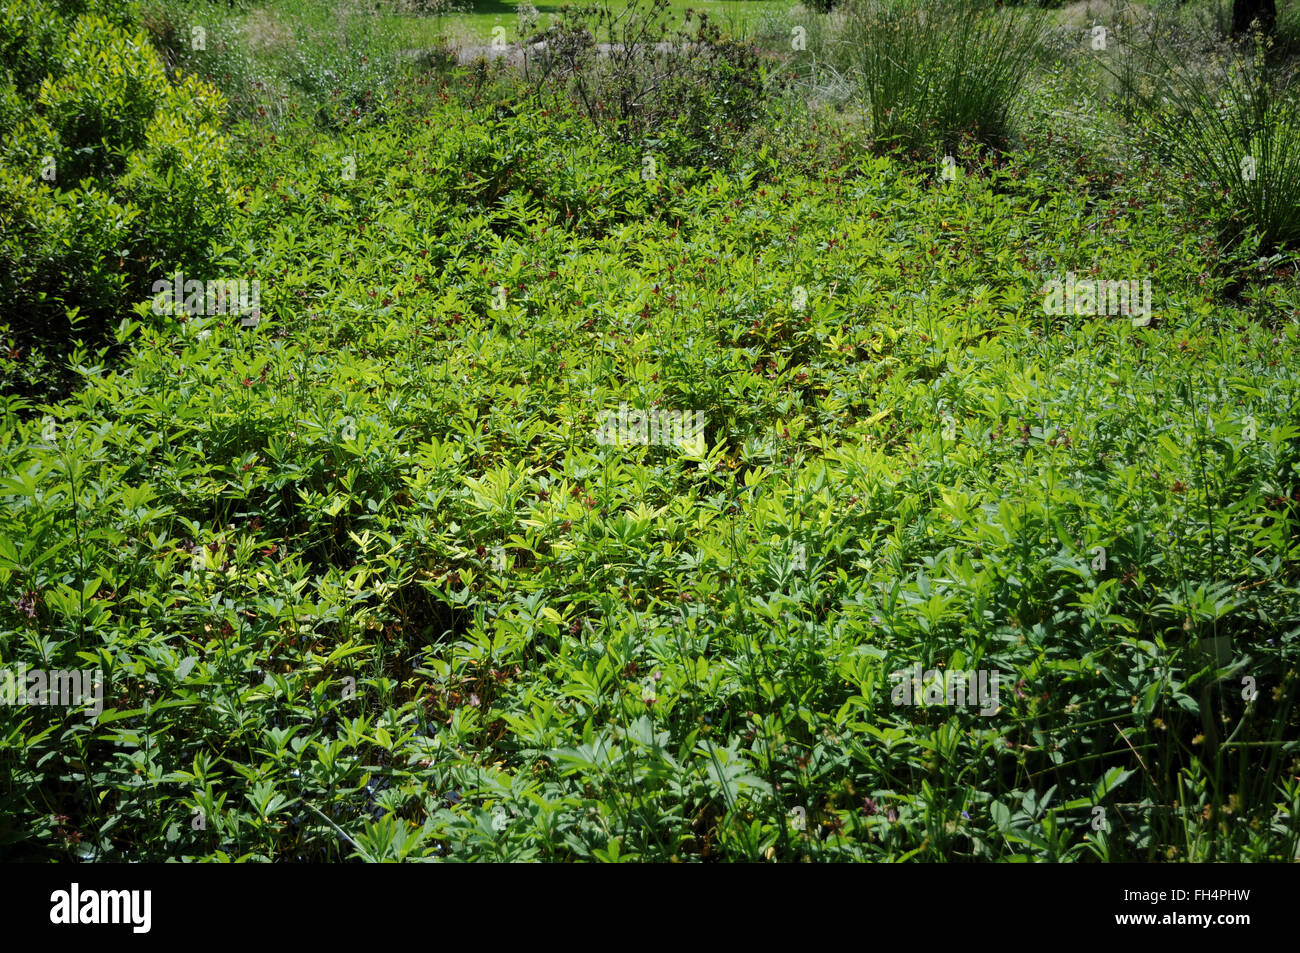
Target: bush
(112,174)
(1221,114)
(431,8)
(108,86)
(180,177)
(29,40)
(31,32)
(629,651)
(350,91)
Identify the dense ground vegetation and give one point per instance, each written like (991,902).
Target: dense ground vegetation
(363,582)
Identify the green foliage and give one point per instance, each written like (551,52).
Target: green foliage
(363,584)
(203,38)
(180,175)
(29,41)
(32,33)
(108,86)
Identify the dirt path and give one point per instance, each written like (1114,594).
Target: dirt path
(514,52)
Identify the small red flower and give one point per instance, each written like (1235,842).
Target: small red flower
(27,603)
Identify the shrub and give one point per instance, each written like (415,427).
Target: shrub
(111,174)
(626,651)
(107,88)
(32,31)
(431,8)
(180,176)
(29,40)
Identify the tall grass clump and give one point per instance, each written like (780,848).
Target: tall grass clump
(1231,123)
(203,38)
(930,73)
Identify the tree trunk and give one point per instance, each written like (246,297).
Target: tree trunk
(1246,11)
